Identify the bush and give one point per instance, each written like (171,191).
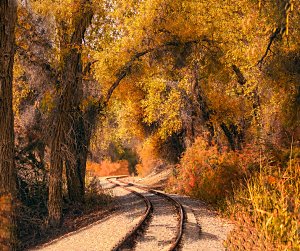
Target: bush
(270,203)
(207,173)
(261,193)
(95,195)
(107,168)
(148,156)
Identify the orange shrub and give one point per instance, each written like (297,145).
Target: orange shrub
(210,174)
(148,155)
(108,168)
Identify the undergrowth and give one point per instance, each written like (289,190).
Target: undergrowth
(262,195)
(207,173)
(32,214)
(270,204)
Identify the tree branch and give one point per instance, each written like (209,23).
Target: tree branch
(272,38)
(126,68)
(88,67)
(240,77)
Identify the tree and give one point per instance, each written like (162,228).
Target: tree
(229,102)
(8,17)
(72,120)
(69,139)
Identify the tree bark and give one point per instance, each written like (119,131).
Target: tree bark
(69,135)
(70,101)
(55,179)
(8,17)
(201,106)
(72,80)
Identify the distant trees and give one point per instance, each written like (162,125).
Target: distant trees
(8,18)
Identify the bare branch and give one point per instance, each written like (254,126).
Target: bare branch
(272,38)
(88,67)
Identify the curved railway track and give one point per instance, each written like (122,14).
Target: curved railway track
(128,239)
(145,221)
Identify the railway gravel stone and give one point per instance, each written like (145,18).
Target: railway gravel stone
(105,235)
(163,226)
(205,230)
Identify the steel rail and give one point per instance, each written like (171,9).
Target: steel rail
(134,231)
(177,204)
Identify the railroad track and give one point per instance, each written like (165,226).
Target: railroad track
(153,200)
(156,226)
(127,241)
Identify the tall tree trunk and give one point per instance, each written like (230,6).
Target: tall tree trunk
(70,102)
(8,16)
(86,127)
(68,138)
(72,79)
(64,143)
(82,145)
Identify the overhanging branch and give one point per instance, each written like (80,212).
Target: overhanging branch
(126,68)
(240,77)
(272,38)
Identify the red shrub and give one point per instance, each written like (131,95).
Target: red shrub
(210,174)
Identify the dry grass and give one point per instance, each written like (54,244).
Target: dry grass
(269,204)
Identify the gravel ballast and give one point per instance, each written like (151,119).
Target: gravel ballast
(204,229)
(162,227)
(108,232)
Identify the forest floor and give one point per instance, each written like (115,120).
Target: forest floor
(204,228)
